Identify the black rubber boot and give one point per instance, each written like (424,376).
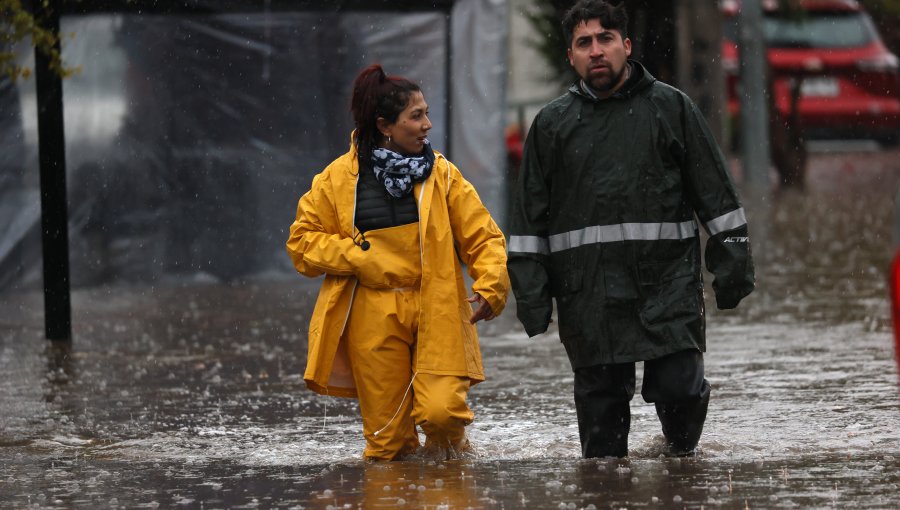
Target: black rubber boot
(682,423)
(676,385)
(602,402)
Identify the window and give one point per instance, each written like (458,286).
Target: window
(813,30)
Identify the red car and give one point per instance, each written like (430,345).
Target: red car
(849,82)
(894,282)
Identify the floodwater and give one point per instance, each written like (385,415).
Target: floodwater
(191,394)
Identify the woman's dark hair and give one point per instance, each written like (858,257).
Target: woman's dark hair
(612,17)
(377,95)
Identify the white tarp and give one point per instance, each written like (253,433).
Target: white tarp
(189,139)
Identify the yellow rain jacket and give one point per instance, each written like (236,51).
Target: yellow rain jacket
(453,225)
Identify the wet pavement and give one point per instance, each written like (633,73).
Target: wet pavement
(191,394)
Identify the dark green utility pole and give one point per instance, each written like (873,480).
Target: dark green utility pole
(755,151)
(52,159)
(699,70)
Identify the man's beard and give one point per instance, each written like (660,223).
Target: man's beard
(602,83)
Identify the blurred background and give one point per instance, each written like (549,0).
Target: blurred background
(191,135)
(191,132)
(193,127)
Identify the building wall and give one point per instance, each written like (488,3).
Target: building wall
(530,82)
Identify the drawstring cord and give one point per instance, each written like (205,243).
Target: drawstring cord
(379,431)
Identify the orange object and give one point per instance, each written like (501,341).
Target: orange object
(895,305)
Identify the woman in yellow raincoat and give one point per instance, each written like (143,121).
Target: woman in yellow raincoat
(388,224)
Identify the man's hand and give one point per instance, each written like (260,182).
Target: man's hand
(482,310)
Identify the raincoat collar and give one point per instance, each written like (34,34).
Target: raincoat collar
(640,79)
(424,190)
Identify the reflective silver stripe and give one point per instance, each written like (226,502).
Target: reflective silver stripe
(529,244)
(727,221)
(622,232)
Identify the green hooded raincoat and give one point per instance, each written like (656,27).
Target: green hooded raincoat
(605,222)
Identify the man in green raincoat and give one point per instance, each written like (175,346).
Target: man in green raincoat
(615,176)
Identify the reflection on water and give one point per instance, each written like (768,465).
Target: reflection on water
(193,395)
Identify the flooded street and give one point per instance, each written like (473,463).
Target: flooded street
(191,394)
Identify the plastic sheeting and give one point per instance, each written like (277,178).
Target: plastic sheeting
(190,138)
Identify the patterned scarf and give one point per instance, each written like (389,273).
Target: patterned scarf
(398,173)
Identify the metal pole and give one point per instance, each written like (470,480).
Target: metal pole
(448,80)
(755,152)
(754,143)
(52,159)
(699,56)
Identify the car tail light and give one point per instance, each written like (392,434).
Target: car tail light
(882,63)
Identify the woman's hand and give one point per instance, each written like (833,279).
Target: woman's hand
(482,310)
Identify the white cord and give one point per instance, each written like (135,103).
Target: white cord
(379,431)
(324,418)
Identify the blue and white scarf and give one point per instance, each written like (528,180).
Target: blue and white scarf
(397,172)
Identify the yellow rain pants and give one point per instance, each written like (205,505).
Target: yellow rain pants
(380,336)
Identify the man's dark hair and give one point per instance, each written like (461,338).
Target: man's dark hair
(612,17)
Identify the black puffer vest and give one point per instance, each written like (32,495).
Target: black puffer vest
(376,208)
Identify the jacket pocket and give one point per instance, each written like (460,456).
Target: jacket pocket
(393,258)
(619,284)
(570,301)
(672,293)
(566,282)
(652,273)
